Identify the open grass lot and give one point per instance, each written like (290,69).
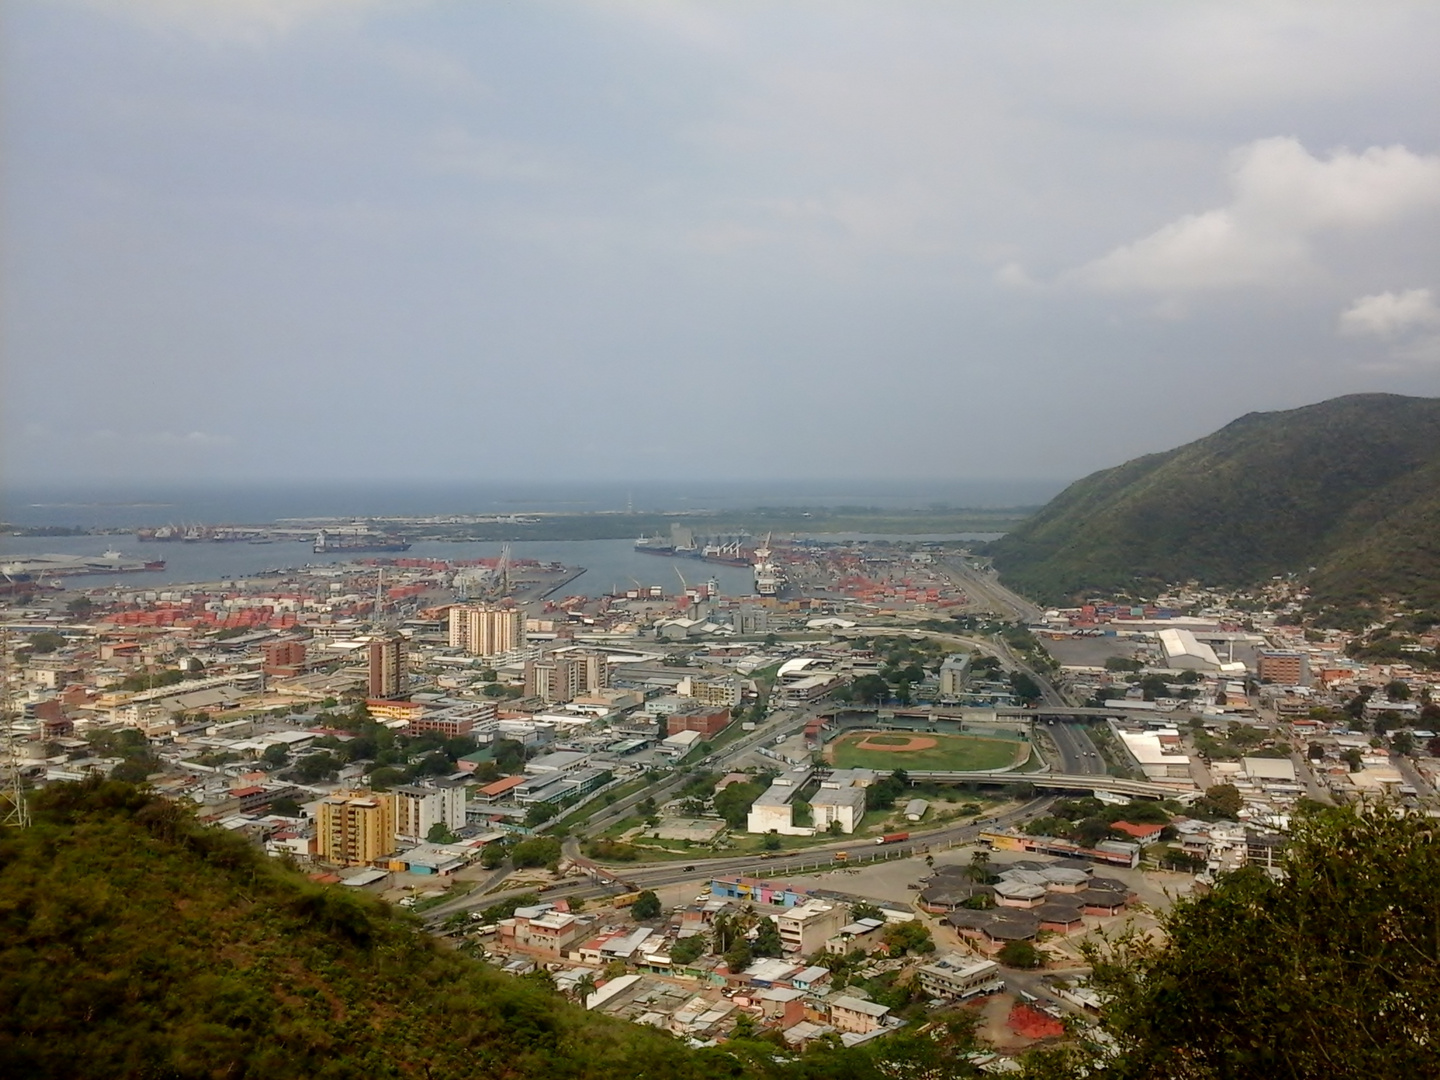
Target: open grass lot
(961,753)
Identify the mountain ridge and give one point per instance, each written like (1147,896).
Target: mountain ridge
(1343,492)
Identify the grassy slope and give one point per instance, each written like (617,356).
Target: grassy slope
(1349,486)
(138,943)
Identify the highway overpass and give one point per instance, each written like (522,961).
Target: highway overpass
(981,713)
(1115,785)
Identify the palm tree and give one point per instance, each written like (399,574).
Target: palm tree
(584,987)
(979,870)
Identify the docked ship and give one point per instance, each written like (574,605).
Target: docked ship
(40,567)
(725,552)
(721,551)
(769,578)
(654,545)
(326,544)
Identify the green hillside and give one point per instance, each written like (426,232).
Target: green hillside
(1348,487)
(136,942)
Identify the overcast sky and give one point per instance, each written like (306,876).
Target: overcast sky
(330,238)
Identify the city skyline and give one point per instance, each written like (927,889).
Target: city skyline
(605,241)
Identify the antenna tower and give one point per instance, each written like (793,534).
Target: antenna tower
(17,810)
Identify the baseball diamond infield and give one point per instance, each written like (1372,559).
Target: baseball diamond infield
(887,750)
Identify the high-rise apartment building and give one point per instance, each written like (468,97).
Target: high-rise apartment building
(559,677)
(486,629)
(420,807)
(354,828)
(389,668)
(550,678)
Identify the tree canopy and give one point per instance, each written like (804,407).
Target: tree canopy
(1331,970)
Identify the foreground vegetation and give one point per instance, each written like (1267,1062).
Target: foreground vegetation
(1333,971)
(139,943)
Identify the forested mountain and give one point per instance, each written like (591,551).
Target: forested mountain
(1345,493)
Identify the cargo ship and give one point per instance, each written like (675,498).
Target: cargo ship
(325,544)
(722,552)
(654,545)
(38,567)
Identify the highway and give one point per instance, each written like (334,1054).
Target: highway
(659,875)
(1077,754)
(1070,743)
(986,593)
(781,722)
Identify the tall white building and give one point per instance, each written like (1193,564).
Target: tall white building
(486,629)
(419,808)
(952,674)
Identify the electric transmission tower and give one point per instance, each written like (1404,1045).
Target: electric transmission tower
(16,809)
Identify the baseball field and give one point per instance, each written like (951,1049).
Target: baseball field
(920,750)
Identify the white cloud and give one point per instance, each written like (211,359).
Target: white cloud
(1212,250)
(1282,198)
(1389,315)
(1279,180)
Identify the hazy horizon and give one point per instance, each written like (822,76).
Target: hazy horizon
(131,503)
(605,242)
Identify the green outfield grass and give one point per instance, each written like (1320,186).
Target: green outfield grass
(958,753)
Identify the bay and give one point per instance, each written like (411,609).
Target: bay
(610,565)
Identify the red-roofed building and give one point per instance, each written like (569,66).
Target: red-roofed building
(1143,833)
(500,788)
